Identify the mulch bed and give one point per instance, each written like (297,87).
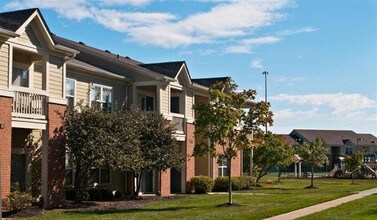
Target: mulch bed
(98,206)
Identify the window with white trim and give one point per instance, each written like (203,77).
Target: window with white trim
(223,167)
(70,91)
(101,97)
(20,74)
(100,176)
(147,103)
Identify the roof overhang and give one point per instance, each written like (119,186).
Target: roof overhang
(97,71)
(7,33)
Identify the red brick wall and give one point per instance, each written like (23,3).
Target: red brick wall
(5,144)
(190,144)
(56,157)
(165,183)
(236,164)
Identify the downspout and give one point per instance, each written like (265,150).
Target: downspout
(127,98)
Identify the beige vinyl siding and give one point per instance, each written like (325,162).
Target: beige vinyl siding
(38,75)
(189,104)
(56,77)
(29,37)
(4,64)
(84,81)
(165,100)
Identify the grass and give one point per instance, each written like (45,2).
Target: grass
(365,208)
(271,199)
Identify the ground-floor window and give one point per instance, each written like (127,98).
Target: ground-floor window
(223,167)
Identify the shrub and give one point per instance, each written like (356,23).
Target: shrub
(199,184)
(19,200)
(238,183)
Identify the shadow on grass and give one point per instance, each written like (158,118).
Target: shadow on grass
(124,211)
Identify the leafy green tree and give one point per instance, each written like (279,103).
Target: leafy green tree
(353,163)
(143,142)
(314,155)
(222,122)
(273,151)
(86,135)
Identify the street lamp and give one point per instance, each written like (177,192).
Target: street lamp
(265,73)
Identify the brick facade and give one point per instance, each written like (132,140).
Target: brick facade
(5,144)
(190,144)
(236,164)
(56,157)
(164,183)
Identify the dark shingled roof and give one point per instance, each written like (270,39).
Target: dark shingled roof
(208,82)
(334,137)
(169,69)
(13,20)
(289,139)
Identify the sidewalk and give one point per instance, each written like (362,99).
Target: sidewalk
(322,206)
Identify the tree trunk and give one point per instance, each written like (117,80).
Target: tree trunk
(230,202)
(279,174)
(352,176)
(251,161)
(78,183)
(312,179)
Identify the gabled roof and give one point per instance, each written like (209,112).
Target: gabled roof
(170,69)
(334,137)
(288,139)
(13,20)
(208,82)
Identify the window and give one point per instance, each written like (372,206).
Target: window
(20,75)
(223,167)
(100,176)
(349,150)
(70,85)
(147,103)
(174,104)
(101,97)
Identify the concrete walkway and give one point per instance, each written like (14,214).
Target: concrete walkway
(322,206)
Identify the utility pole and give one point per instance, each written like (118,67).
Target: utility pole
(265,73)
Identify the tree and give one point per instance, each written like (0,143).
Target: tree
(353,163)
(86,135)
(149,145)
(273,151)
(223,123)
(314,155)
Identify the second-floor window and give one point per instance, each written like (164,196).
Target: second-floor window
(174,104)
(101,97)
(349,150)
(20,75)
(70,85)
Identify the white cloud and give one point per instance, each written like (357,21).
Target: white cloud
(297,31)
(256,63)
(340,104)
(261,40)
(207,52)
(289,113)
(245,45)
(238,49)
(124,2)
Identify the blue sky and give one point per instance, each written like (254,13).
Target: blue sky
(321,55)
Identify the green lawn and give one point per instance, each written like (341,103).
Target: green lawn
(270,200)
(365,208)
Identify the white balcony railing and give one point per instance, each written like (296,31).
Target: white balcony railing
(29,105)
(178,121)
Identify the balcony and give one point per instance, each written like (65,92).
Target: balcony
(29,105)
(178,121)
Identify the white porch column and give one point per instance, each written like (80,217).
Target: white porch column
(295,169)
(299,169)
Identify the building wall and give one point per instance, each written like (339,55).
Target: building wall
(5,144)
(38,76)
(4,65)
(189,104)
(84,81)
(56,158)
(165,100)
(55,79)
(190,144)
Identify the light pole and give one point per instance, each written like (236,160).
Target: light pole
(1,189)
(265,73)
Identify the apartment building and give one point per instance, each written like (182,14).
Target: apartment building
(41,74)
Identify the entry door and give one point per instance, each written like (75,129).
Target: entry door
(175,181)
(18,172)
